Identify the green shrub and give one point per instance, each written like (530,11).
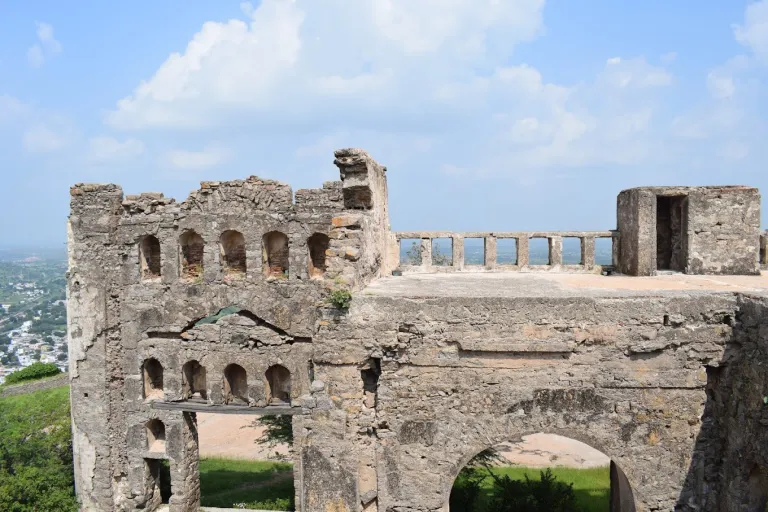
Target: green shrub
(270,504)
(341,299)
(466,490)
(543,495)
(34,371)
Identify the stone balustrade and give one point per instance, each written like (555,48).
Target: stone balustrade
(491,240)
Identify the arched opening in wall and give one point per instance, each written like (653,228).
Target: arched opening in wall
(757,501)
(245,459)
(275,254)
(153,379)
(191,246)
(318,245)
(232,249)
(235,385)
(149,258)
(541,473)
(193,383)
(155,436)
(278,385)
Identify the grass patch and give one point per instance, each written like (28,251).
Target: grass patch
(258,484)
(592,486)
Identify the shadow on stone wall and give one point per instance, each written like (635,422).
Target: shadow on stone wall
(729,464)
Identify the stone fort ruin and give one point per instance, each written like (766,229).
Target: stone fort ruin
(234,301)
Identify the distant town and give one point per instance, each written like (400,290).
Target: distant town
(33,309)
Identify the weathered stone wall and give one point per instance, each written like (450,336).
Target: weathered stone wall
(394,395)
(712,230)
(730,458)
(723,231)
(120,315)
(625,375)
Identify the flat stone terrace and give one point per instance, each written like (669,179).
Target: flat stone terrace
(554,285)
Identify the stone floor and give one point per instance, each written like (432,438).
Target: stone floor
(551,284)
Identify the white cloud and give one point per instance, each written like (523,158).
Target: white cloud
(105,149)
(46,47)
(195,160)
(439,71)
(46,137)
(753,33)
(11,108)
(295,61)
(634,73)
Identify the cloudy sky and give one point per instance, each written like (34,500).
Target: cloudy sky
(489,114)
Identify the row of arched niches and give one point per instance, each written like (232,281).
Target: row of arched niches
(234,384)
(233,255)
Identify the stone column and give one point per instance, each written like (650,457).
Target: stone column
(490,252)
(555,251)
(588,251)
(522,251)
(426,252)
(458,252)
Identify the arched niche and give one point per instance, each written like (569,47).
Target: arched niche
(275,254)
(193,381)
(278,384)
(191,249)
(233,254)
(155,436)
(149,258)
(317,246)
(235,384)
(152,372)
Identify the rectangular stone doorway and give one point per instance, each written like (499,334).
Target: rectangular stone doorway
(671,232)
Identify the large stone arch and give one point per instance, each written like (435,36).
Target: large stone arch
(620,484)
(423,458)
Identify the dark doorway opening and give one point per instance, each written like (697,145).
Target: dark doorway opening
(158,482)
(671,232)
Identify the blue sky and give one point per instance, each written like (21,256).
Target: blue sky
(489,114)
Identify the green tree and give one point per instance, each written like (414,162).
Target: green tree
(36,473)
(277,430)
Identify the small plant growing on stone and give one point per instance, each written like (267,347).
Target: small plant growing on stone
(341,299)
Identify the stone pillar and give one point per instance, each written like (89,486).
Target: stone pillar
(93,328)
(426,252)
(522,251)
(458,252)
(184,446)
(636,219)
(588,251)
(555,251)
(490,252)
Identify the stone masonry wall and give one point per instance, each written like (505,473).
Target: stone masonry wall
(625,375)
(120,317)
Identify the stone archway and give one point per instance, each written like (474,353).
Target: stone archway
(621,498)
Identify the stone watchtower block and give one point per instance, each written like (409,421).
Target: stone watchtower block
(694,230)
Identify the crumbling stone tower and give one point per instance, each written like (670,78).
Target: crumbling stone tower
(224,303)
